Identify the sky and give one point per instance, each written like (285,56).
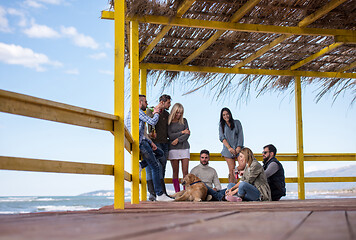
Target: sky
(62,51)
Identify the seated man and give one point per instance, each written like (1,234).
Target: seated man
(274,172)
(209,176)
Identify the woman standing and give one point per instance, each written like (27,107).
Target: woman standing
(232,137)
(179,149)
(253,185)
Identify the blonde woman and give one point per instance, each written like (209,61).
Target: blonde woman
(253,185)
(179,148)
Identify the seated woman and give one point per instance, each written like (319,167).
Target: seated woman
(253,185)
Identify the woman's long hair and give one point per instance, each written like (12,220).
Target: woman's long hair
(176,107)
(222,121)
(248,155)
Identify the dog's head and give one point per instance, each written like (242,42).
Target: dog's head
(189,179)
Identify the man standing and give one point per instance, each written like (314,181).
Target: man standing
(206,173)
(274,172)
(148,149)
(159,135)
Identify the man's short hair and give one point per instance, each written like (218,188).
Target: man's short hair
(271,148)
(164,98)
(204,151)
(141,95)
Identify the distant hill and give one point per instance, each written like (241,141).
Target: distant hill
(348,171)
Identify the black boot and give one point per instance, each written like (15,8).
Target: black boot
(164,187)
(151,190)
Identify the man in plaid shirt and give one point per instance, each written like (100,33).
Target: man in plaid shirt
(148,149)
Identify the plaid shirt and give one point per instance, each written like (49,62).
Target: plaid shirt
(143,119)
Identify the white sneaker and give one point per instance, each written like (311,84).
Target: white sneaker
(164,198)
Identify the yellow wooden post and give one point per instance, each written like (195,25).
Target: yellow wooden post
(143,78)
(119,79)
(300,148)
(134,69)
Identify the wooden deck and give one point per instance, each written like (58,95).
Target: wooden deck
(289,219)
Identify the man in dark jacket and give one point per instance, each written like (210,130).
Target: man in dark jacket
(274,172)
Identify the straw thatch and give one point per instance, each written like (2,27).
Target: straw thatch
(233,47)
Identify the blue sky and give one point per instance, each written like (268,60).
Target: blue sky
(62,51)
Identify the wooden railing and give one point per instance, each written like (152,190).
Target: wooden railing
(29,106)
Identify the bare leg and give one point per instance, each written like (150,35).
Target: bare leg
(185,166)
(175,167)
(231,165)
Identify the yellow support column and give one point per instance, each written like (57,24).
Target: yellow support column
(300,148)
(119,79)
(143,78)
(134,69)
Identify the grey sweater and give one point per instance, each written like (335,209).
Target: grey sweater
(208,175)
(175,131)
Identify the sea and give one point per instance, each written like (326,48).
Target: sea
(34,204)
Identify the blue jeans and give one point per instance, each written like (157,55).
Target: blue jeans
(217,195)
(161,160)
(149,159)
(246,191)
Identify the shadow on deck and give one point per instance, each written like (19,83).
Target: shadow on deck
(289,219)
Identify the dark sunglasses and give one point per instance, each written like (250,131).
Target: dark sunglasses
(264,152)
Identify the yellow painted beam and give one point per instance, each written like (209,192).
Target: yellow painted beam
(320,12)
(41,165)
(143,90)
(348,67)
(25,105)
(119,87)
(134,69)
(332,157)
(241,27)
(329,179)
(108,15)
(185,68)
(181,10)
(295,180)
(316,55)
(299,135)
(262,50)
(235,18)
(345,39)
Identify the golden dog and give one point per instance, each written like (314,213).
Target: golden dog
(195,189)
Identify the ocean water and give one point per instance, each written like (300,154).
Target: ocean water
(33,204)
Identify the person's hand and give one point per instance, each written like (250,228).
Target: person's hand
(156,110)
(232,151)
(154,147)
(153,135)
(175,142)
(241,172)
(186,131)
(160,106)
(238,150)
(228,192)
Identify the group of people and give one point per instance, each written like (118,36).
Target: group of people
(167,139)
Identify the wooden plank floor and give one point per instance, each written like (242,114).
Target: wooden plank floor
(289,219)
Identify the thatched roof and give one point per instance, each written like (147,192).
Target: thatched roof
(234,47)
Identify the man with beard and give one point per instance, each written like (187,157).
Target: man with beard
(159,135)
(206,173)
(148,149)
(274,172)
